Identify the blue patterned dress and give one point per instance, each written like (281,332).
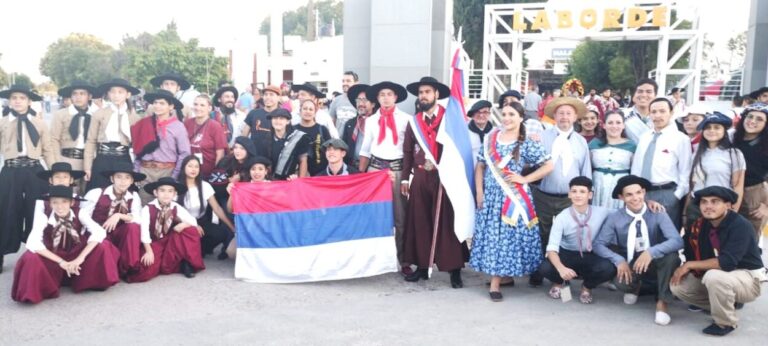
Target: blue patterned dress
(499,249)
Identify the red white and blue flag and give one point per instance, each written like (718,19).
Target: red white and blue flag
(315,229)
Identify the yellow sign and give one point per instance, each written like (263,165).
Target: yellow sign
(589,18)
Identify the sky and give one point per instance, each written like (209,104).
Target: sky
(222,25)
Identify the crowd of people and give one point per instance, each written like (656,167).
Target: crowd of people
(566,187)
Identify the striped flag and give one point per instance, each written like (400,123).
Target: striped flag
(456,167)
(315,229)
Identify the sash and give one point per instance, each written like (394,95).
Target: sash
(285,153)
(422,141)
(517,203)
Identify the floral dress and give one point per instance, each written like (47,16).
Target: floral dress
(498,248)
(609,163)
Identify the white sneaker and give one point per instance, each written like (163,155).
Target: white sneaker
(630,298)
(662,318)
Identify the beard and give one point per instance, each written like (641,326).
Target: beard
(227,108)
(426,105)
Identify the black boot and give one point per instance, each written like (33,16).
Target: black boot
(419,274)
(535,280)
(186,269)
(456,279)
(2,257)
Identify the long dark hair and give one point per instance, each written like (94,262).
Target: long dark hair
(762,137)
(182,178)
(724,143)
(518,107)
(603,135)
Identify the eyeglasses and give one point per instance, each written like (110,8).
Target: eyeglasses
(755,118)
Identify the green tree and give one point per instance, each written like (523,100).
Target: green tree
(77,56)
(145,56)
(590,62)
(23,79)
(620,73)
(3,76)
(298,21)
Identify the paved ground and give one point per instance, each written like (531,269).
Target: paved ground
(215,309)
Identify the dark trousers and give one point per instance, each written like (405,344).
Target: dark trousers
(670,202)
(593,269)
(19,190)
(215,234)
(660,270)
(547,207)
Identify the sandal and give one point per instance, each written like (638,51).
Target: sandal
(585,297)
(554,292)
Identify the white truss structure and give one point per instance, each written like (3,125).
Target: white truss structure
(503,46)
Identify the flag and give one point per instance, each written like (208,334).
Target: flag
(315,229)
(456,167)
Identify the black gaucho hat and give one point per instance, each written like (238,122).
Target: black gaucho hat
(20,88)
(308,87)
(158,81)
(629,180)
(124,167)
(117,82)
(164,95)
(165,181)
(60,167)
(723,193)
(61,191)
(279,113)
(77,85)
(443,90)
(355,90)
(372,93)
(221,91)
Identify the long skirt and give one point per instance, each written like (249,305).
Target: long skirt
(19,190)
(36,277)
(169,252)
(127,238)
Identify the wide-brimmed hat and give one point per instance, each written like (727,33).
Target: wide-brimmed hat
(478,106)
(165,181)
(755,94)
(715,118)
(514,93)
(577,104)
(117,82)
(336,143)
(257,160)
(372,93)
(61,191)
(60,167)
(308,87)
(124,167)
(355,90)
(629,180)
(77,85)
(442,89)
(221,91)
(164,95)
(158,81)
(20,88)
(272,88)
(248,144)
(278,113)
(723,193)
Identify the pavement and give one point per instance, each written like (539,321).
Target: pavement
(215,309)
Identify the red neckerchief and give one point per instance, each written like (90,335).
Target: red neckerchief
(430,131)
(359,127)
(387,120)
(162,126)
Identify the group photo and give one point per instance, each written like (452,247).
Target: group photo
(371,172)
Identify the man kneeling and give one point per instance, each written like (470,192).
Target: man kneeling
(569,252)
(723,265)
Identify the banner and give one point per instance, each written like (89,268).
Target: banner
(315,229)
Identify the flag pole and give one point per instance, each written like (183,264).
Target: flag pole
(434,230)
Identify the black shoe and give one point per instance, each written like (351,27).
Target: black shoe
(222,256)
(716,330)
(456,279)
(186,269)
(2,257)
(419,274)
(496,296)
(535,280)
(694,308)
(738,306)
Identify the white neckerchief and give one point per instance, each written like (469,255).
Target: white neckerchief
(632,231)
(124,126)
(562,150)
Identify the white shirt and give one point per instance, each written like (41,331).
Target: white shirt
(92,198)
(116,125)
(238,121)
(636,126)
(192,200)
(387,150)
(23,133)
(671,161)
(719,166)
(322,117)
(35,241)
(181,213)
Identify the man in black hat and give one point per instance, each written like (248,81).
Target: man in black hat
(308,91)
(421,156)
(231,118)
(70,127)
(479,126)
(286,147)
(109,136)
(179,87)
(354,129)
(382,148)
(647,245)
(335,151)
(161,141)
(24,143)
(342,108)
(723,266)
(760,95)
